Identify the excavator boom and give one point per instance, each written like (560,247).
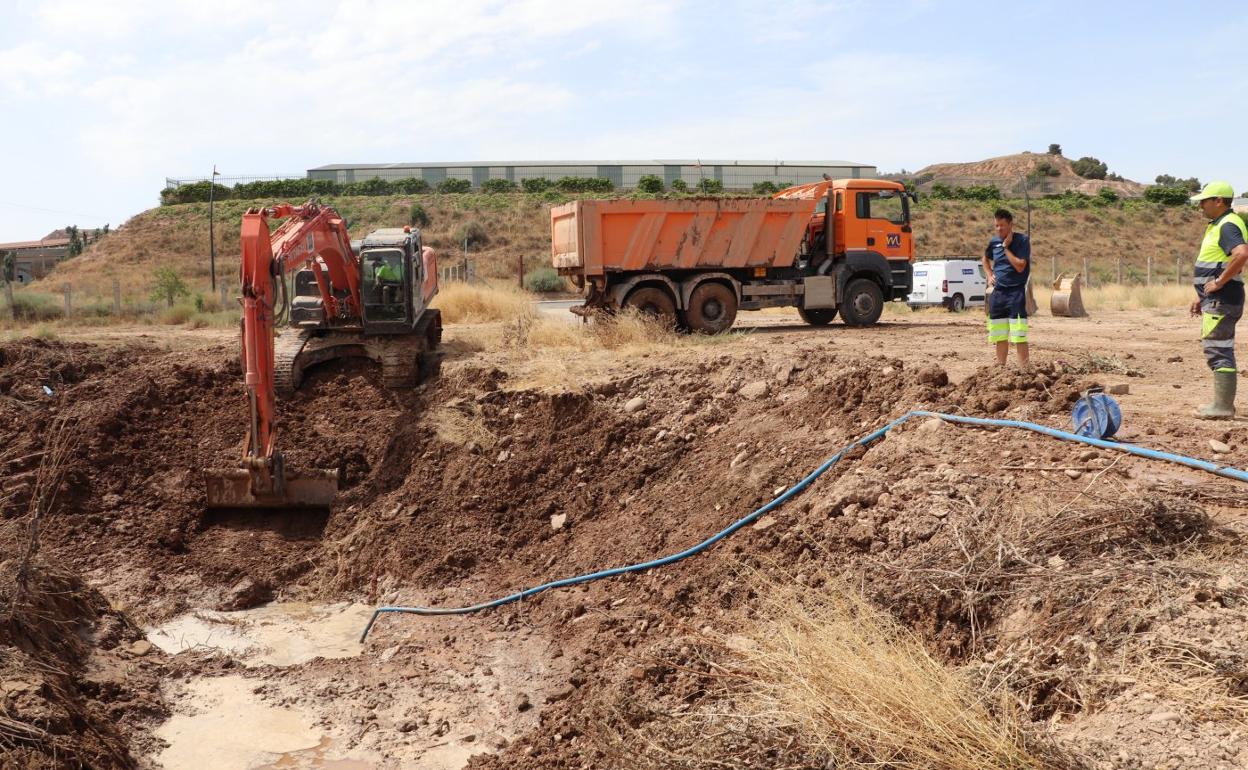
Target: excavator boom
(312,236)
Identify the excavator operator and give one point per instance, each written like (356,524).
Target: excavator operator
(388,281)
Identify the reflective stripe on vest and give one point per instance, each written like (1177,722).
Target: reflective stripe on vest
(1212,260)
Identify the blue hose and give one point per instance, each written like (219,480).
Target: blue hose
(1152,454)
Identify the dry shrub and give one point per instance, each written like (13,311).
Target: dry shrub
(460,423)
(479,303)
(863,691)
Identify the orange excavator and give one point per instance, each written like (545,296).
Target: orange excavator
(367,299)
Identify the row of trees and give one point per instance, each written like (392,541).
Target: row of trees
(199,192)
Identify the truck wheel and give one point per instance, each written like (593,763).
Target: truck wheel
(864,302)
(817,317)
(712,308)
(957,304)
(653,301)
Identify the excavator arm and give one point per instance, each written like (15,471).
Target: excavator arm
(314,236)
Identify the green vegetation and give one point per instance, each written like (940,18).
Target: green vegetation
(680,186)
(417,216)
(1055,149)
(708,186)
(1090,168)
(1191,184)
(543,279)
(446,186)
(1044,168)
(473,234)
(1167,195)
(537,184)
(973,193)
(495,186)
(765,188)
(169,285)
(650,184)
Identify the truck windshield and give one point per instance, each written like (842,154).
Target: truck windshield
(884,204)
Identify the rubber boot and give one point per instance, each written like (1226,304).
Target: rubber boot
(1223,406)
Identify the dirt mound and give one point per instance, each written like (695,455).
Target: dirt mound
(996,546)
(1007,170)
(78,684)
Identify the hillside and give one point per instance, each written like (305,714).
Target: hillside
(1007,170)
(517,227)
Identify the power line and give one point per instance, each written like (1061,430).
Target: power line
(50,211)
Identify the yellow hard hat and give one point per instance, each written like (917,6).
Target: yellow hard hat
(1215,189)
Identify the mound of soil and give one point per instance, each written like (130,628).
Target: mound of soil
(463,490)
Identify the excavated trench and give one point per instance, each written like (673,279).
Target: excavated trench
(465,489)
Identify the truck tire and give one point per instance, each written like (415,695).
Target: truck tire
(817,317)
(712,308)
(864,302)
(957,304)
(653,301)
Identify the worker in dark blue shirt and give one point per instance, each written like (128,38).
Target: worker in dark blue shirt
(1007,262)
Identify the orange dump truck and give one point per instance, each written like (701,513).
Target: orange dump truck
(836,246)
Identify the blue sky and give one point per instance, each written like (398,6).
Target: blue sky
(99,102)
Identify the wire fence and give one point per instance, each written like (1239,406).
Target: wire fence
(229,181)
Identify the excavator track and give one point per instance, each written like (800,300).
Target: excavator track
(287,366)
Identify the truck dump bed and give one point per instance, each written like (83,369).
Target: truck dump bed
(594,237)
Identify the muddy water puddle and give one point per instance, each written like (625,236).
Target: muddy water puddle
(279,634)
(222,722)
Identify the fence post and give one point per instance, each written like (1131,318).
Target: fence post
(1087,277)
(1150,269)
(116,297)
(1119,271)
(8,299)
(69,309)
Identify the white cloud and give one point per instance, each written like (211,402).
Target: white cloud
(35,69)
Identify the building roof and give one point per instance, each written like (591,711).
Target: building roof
(669,162)
(45,243)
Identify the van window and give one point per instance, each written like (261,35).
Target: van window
(892,206)
(981,272)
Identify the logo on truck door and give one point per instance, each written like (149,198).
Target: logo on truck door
(894,240)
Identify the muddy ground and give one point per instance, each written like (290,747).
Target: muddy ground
(1108,590)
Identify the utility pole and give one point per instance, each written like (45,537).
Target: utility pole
(212,241)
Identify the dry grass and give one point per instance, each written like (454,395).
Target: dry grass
(1167,298)
(480,303)
(864,692)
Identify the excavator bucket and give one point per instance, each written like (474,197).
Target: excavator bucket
(1067,299)
(241,488)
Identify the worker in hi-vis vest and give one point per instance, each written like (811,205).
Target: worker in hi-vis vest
(1220,292)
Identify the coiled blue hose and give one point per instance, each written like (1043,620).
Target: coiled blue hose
(1151,454)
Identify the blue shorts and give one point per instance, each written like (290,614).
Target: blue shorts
(1008,303)
(1007,315)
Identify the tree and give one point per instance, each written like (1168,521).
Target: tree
(536,184)
(75,241)
(650,184)
(169,285)
(494,186)
(417,216)
(473,233)
(1090,168)
(708,186)
(1167,196)
(680,186)
(1191,183)
(1055,149)
(766,187)
(454,186)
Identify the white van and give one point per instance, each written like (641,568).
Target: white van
(951,283)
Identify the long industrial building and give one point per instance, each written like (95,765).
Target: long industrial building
(624,174)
